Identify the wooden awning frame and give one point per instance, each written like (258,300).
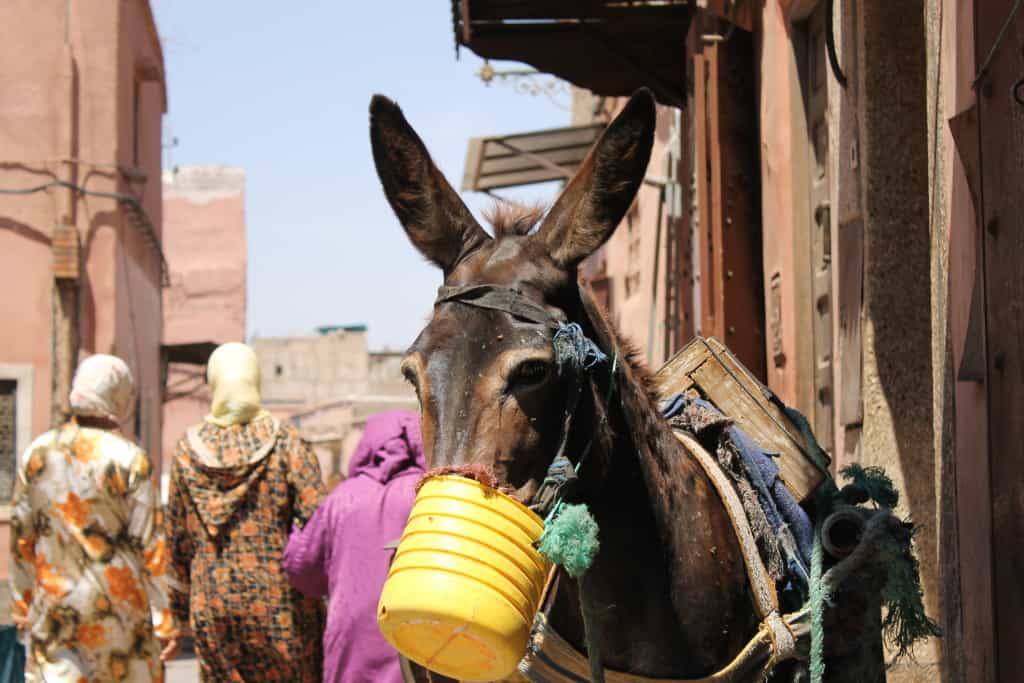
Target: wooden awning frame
(609,48)
(501,161)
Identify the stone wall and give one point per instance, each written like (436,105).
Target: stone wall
(306,371)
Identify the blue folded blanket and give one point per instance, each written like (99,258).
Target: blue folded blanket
(783,512)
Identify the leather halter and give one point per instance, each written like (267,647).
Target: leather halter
(498,298)
(561,473)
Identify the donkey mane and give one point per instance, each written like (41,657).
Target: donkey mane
(630,359)
(513,218)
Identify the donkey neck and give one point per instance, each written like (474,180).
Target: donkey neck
(664,533)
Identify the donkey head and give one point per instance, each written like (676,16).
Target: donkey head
(488,388)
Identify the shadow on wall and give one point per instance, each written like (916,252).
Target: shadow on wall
(898,288)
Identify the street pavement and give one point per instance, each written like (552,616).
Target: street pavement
(182,670)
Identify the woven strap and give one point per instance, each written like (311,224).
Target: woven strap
(550,659)
(762,587)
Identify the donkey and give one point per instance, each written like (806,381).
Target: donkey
(670,591)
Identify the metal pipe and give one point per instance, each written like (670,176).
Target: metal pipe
(841,532)
(65,332)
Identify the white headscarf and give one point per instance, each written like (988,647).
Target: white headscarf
(103,387)
(233,373)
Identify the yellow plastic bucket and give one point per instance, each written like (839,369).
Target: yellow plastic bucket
(465,582)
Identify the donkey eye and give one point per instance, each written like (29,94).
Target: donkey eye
(410,376)
(529,373)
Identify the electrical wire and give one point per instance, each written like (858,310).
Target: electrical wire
(135,210)
(995,45)
(830,45)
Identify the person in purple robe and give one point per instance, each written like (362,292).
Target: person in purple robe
(341,551)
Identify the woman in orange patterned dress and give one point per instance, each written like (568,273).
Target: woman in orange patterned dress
(89,560)
(239,481)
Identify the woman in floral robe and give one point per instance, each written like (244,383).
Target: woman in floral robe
(239,481)
(88,553)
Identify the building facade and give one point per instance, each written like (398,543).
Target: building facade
(834,193)
(205,304)
(80,212)
(327,384)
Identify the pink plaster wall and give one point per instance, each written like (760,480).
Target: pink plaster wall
(629,254)
(204,209)
(205,244)
(777,78)
(970,398)
(68,73)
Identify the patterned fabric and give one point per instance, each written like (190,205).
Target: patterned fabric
(232,503)
(89,559)
(103,388)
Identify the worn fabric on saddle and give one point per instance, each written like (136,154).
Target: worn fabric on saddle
(782,528)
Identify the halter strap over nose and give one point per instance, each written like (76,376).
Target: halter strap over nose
(498,298)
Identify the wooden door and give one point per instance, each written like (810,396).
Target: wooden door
(1001,135)
(728,201)
(817,293)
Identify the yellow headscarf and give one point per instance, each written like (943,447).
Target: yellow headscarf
(233,373)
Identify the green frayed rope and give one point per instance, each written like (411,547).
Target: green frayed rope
(570,539)
(905,620)
(875,482)
(902,597)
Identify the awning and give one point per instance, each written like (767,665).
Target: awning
(196,353)
(610,48)
(526,158)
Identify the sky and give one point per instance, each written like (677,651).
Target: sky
(282,90)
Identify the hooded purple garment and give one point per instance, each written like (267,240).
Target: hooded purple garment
(340,552)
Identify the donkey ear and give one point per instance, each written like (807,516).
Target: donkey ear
(435,218)
(599,195)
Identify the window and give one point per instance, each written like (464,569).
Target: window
(15,426)
(8,436)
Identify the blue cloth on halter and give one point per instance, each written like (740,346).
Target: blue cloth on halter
(574,349)
(780,507)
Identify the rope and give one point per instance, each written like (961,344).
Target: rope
(824,500)
(823,504)
(814,450)
(817,604)
(574,350)
(575,353)
(590,631)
